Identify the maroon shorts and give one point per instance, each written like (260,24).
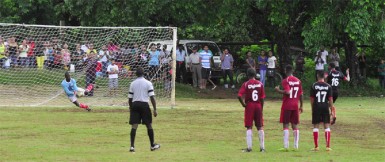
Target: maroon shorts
(289,116)
(253,112)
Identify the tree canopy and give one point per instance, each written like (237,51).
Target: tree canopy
(307,24)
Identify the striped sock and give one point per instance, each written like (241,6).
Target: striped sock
(327,137)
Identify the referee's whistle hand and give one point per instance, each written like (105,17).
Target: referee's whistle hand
(155,113)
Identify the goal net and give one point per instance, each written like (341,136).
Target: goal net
(34,59)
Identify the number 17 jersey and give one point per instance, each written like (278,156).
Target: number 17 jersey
(294,86)
(253,91)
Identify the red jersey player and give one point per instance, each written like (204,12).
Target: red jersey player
(254,95)
(292,93)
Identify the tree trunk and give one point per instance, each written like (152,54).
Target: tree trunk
(283,50)
(351,60)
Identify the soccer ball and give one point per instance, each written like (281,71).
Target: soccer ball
(80,92)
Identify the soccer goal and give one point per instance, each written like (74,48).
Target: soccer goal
(37,56)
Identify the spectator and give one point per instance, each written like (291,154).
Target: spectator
(334,57)
(31,53)
(250,61)
(135,49)
(299,65)
(66,56)
(3,56)
(126,54)
(205,57)
(91,71)
(84,47)
(23,56)
(180,64)
(112,47)
(39,53)
(165,61)
(57,60)
(319,63)
(13,51)
(91,48)
(48,55)
(113,74)
(195,67)
(381,72)
(77,57)
(227,61)
(262,61)
(142,59)
(362,64)
(104,56)
(324,55)
(154,62)
(271,65)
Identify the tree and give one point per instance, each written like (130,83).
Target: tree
(345,23)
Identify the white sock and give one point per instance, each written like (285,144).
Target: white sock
(261,134)
(249,138)
(296,138)
(286,138)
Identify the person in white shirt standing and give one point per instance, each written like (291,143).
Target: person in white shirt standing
(271,65)
(195,67)
(113,74)
(141,91)
(319,63)
(324,55)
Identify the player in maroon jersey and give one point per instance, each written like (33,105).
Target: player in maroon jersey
(334,78)
(292,93)
(254,95)
(321,99)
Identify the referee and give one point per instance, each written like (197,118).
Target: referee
(138,96)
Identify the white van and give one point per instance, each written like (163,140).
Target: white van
(216,72)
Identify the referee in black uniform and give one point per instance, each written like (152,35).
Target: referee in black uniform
(140,113)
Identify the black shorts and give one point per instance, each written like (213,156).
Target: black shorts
(140,113)
(205,73)
(335,96)
(321,115)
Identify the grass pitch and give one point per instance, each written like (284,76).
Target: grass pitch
(196,130)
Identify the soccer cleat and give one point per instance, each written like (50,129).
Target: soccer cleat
(328,149)
(247,150)
(283,150)
(88,109)
(261,150)
(314,149)
(132,149)
(155,147)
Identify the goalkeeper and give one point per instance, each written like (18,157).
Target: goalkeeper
(70,88)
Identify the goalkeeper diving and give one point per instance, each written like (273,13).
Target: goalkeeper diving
(71,90)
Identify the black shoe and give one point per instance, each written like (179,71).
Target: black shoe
(247,150)
(155,147)
(132,149)
(261,150)
(88,109)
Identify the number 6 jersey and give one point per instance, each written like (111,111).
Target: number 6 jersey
(292,85)
(253,91)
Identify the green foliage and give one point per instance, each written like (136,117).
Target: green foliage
(254,49)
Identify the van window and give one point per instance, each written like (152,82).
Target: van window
(212,47)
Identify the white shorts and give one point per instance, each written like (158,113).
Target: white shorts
(73,98)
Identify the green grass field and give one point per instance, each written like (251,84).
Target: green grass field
(196,130)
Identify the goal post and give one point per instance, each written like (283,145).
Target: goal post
(35,58)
